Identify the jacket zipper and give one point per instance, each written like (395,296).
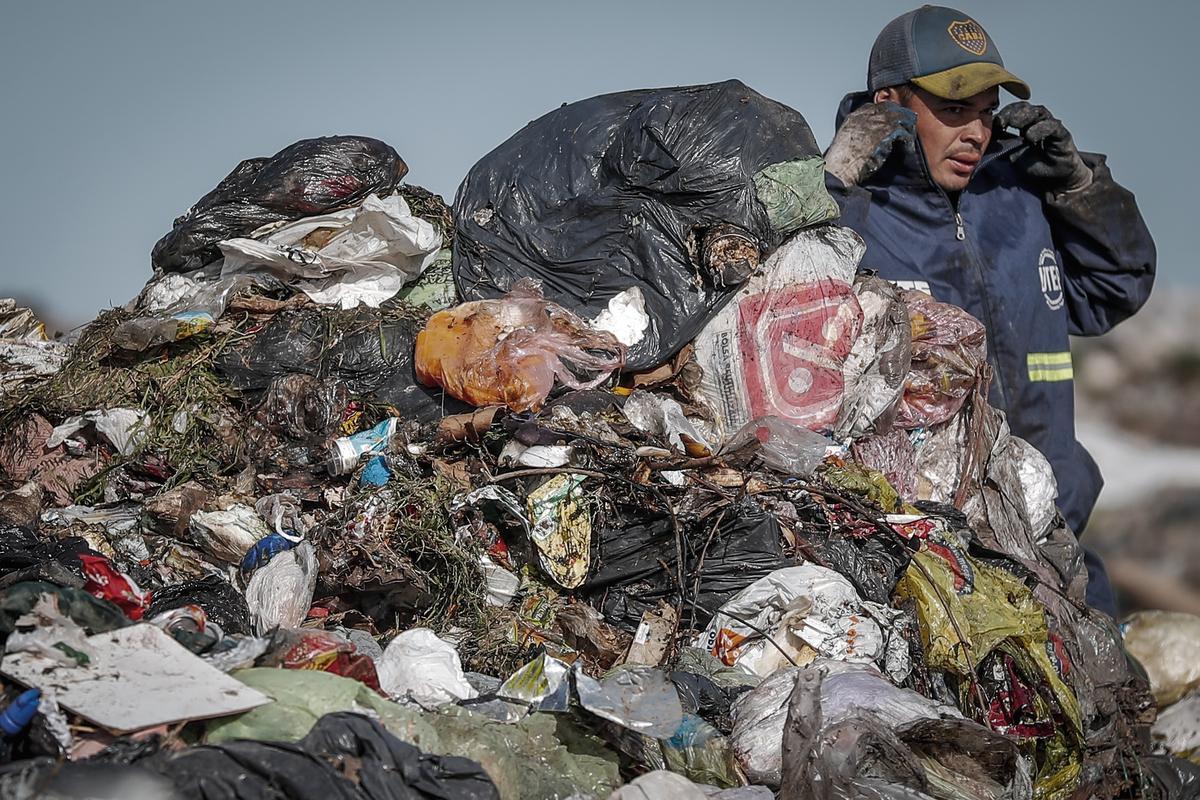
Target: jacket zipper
(960,233)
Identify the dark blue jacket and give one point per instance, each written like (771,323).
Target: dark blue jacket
(1033,268)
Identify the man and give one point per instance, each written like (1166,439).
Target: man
(1022,230)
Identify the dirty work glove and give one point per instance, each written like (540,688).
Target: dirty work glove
(866,139)
(1051,158)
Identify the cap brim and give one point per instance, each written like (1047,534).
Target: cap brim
(968,80)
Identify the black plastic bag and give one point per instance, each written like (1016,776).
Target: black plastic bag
(631,578)
(310,177)
(370,350)
(627,190)
(375,766)
(222,603)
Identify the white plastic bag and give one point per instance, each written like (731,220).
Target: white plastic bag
(227,535)
(280,594)
(810,611)
(418,667)
(358,255)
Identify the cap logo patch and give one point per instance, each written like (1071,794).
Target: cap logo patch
(968,34)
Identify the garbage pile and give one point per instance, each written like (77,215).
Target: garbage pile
(620,480)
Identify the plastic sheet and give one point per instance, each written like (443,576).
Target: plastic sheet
(845,692)
(511,351)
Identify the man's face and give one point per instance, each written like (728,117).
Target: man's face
(953,133)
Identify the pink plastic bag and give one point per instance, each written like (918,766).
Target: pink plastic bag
(949,359)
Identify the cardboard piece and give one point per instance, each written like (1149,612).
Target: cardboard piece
(139,677)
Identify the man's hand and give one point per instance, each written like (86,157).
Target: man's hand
(1051,158)
(866,139)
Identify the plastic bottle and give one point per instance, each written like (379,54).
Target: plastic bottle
(345,452)
(16,715)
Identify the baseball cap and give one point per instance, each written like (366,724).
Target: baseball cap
(944,51)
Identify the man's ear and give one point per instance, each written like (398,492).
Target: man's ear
(888,95)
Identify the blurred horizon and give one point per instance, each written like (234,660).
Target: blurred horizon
(123,114)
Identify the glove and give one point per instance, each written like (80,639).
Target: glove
(866,139)
(1051,158)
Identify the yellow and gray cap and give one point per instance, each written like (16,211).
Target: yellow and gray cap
(941,50)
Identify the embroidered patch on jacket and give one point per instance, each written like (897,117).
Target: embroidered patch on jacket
(968,34)
(1051,279)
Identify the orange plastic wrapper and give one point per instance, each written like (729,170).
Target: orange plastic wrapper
(510,351)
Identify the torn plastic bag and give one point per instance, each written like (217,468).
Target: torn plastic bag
(511,351)
(662,416)
(846,691)
(280,594)
(698,751)
(1177,779)
(892,454)
(560,526)
(872,562)
(108,583)
(808,611)
(781,346)
(359,255)
(633,190)
(630,578)
(124,428)
(306,178)
(47,632)
(949,361)
(418,667)
(542,683)
(369,350)
(779,445)
(982,623)
(1167,643)
(26,557)
(202,300)
(326,651)
(93,614)
(878,361)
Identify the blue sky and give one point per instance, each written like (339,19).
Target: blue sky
(118,115)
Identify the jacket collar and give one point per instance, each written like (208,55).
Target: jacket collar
(906,166)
